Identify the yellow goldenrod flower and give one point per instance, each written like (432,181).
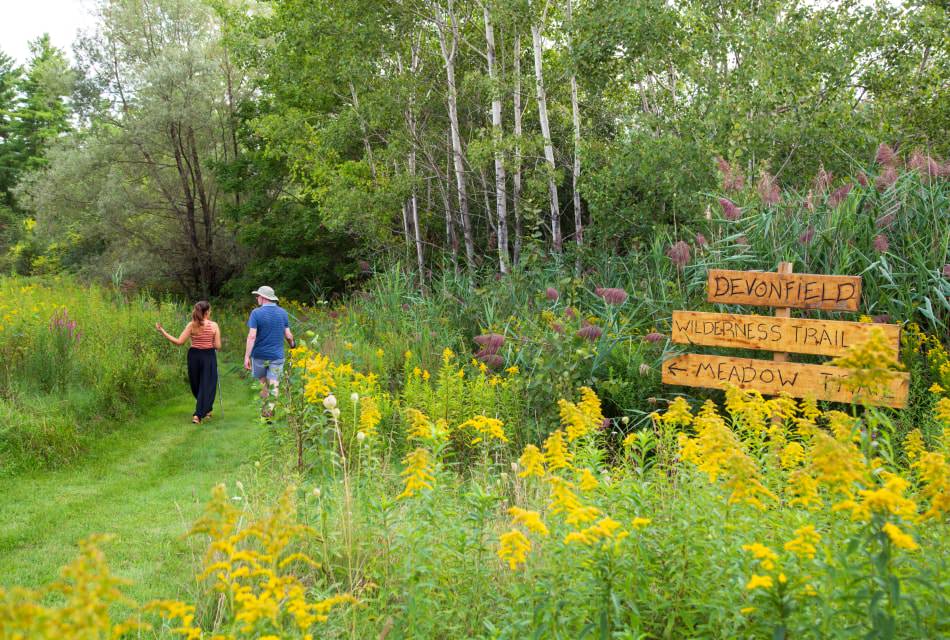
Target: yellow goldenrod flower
(417,474)
(934,473)
(763,554)
(447,355)
(532,462)
(514,548)
(936,389)
(556,455)
(914,444)
(759,582)
(606,528)
(487,427)
(803,545)
(587,481)
(746,610)
(792,455)
(942,411)
(530,520)
(898,537)
(782,579)
(871,365)
(640,523)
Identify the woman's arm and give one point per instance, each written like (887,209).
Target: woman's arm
(217,337)
(180,340)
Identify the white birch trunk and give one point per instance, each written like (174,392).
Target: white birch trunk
(501,189)
(576,117)
(546,134)
(447,23)
(516,187)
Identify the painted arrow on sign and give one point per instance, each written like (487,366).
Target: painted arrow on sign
(768,377)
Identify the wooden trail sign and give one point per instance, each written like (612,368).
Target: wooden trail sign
(769,333)
(773,378)
(781,335)
(784,290)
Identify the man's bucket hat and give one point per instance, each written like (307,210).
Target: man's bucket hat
(265,292)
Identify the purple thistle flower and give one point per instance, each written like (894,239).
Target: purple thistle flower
(862,179)
(881,243)
(701,240)
(807,236)
(882,318)
(742,241)
(885,155)
(590,332)
(557,327)
(364,267)
(570,313)
(729,209)
(768,189)
(839,194)
(653,337)
(679,254)
(551,294)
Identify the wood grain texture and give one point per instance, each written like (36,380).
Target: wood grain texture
(767,333)
(794,290)
(773,378)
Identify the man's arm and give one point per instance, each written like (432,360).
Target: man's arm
(289,337)
(251,337)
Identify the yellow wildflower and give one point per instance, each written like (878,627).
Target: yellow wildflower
(447,355)
(763,554)
(640,523)
(532,462)
(369,415)
(380,353)
(914,444)
(898,537)
(487,427)
(942,411)
(587,481)
(871,365)
(678,414)
(759,582)
(531,520)
(417,474)
(556,455)
(936,389)
(514,548)
(792,455)
(803,544)
(934,474)
(605,528)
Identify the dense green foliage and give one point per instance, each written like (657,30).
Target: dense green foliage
(77,359)
(297,142)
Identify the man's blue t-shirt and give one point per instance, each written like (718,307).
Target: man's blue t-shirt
(270,322)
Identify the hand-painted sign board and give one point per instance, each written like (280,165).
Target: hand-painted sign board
(784,290)
(781,334)
(773,378)
(794,335)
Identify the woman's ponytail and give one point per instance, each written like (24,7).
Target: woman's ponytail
(198,315)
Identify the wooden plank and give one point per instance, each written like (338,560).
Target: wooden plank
(772,378)
(767,333)
(796,290)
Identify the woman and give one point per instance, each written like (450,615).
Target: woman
(205,339)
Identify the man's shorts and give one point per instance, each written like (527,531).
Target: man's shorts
(270,369)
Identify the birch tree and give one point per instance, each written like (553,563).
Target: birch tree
(501,190)
(555,213)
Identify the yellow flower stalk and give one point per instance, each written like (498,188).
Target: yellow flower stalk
(763,554)
(640,523)
(556,455)
(514,548)
(803,544)
(606,528)
(759,582)
(532,462)
(488,427)
(369,416)
(871,365)
(417,474)
(587,481)
(914,444)
(530,520)
(899,538)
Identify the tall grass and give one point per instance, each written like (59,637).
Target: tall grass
(76,360)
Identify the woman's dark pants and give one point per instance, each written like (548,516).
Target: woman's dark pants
(203,376)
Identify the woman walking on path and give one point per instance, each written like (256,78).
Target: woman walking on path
(205,339)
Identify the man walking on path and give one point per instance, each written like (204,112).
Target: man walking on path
(269,326)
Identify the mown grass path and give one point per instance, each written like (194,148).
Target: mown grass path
(145,483)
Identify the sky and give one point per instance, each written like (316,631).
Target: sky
(25,20)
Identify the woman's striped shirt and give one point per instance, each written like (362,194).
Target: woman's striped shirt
(203,338)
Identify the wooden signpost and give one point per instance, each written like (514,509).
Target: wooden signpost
(780,334)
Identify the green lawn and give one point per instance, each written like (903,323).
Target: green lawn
(145,483)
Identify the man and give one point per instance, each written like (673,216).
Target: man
(268,326)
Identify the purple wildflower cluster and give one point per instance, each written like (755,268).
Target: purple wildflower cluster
(61,324)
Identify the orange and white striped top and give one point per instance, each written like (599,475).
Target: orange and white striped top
(204,338)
